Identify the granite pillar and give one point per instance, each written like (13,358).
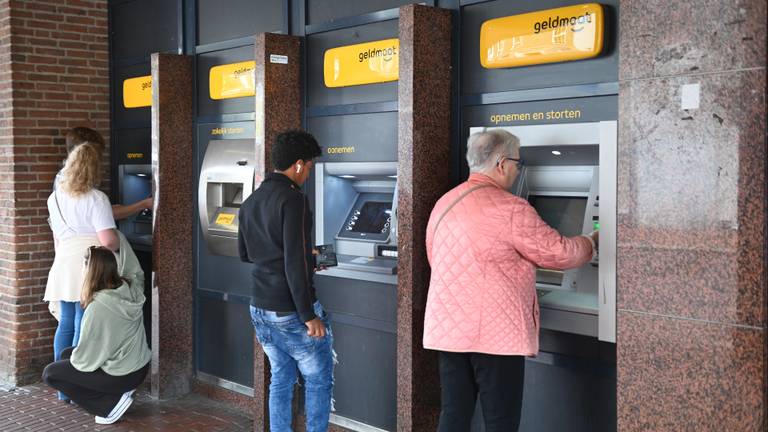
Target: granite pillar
(172,153)
(278,108)
(691,249)
(424,135)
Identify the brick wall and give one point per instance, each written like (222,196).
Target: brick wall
(54,75)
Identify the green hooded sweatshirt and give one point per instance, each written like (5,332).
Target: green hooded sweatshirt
(112,336)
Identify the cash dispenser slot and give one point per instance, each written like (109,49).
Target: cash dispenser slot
(226,179)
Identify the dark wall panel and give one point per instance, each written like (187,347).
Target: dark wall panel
(561,390)
(231,19)
(373,136)
(133,142)
(206,105)
(365,387)
(317,44)
(123,116)
(320,11)
(142,27)
(354,297)
(225,338)
(476,79)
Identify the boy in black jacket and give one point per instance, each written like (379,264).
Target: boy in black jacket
(275,235)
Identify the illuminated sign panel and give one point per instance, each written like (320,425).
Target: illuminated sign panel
(137,92)
(365,63)
(232,80)
(549,36)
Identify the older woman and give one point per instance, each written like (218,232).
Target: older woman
(80,217)
(484,318)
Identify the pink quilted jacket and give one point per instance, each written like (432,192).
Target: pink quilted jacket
(482,294)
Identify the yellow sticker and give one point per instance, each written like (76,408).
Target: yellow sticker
(232,80)
(549,36)
(137,92)
(365,63)
(225,219)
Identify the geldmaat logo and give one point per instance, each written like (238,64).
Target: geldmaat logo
(386,53)
(576,23)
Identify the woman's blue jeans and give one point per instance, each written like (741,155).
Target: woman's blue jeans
(68,332)
(289,348)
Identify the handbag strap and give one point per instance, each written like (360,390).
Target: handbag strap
(61,214)
(456,201)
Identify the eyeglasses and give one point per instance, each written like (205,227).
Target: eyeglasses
(519,162)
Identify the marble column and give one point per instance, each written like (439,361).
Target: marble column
(278,108)
(424,135)
(691,256)
(171,370)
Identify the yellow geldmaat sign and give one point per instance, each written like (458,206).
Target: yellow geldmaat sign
(232,80)
(549,36)
(137,92)
(365,63)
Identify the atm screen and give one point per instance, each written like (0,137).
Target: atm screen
(136,188)
(373,217)
(565,214)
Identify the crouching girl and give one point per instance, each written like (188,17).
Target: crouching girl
(112,358)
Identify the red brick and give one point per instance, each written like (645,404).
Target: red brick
(82,20)
(59,52)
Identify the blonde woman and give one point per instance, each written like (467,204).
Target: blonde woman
(80,216)
(112,359)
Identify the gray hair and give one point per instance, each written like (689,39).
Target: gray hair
(484,148)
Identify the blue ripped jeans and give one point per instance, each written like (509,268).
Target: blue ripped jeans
(289,348)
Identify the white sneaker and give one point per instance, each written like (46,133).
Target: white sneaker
(122,405)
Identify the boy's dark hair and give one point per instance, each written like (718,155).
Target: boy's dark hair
(293,145)
(80,135)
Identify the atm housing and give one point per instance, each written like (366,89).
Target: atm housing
(226,180)
(135,184)
(356,206)
(569,177)
(355,209)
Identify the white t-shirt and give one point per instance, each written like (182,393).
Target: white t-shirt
(86,214)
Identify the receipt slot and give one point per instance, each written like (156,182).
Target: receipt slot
(226,179)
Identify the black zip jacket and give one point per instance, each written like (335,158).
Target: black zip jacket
(275,235)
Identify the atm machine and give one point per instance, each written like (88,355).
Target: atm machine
(569,177)
(222,282)
(226,180)
(356,211)
(135,185)
(355,208)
